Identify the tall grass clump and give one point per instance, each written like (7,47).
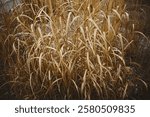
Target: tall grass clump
(70,49)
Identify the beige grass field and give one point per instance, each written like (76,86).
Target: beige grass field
(74,49)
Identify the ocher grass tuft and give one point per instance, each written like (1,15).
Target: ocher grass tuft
(70,50)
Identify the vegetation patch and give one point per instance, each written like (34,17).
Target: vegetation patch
(71,49)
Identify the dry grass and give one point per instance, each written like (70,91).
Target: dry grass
(69,50)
